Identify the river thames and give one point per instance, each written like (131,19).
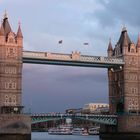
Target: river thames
(45,136)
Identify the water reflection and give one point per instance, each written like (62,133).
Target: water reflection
(45,136)
(15,137)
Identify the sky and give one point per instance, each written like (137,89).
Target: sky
(44,22)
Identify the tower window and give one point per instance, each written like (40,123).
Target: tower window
(11,50)
(132,51)
(10,99)
(11,40)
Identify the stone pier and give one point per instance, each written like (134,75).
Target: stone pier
(15,127)
(128,128)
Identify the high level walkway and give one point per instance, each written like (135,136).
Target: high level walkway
(74,59)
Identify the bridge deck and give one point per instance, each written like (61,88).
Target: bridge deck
(74,59)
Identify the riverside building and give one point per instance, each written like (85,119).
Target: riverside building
(95,108)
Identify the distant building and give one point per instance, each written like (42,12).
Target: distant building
(95,108)
(73,111)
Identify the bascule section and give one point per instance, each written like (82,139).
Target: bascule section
(11,45)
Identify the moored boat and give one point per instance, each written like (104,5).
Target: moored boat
(94,131)
(61,130)
(79,131)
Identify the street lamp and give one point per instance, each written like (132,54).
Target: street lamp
(15,109)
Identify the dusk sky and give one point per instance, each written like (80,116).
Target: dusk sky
(45,22)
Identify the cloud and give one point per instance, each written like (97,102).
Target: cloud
(115,12)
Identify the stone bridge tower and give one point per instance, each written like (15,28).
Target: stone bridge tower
(10,68)
(124,83)
(11,46)
(124,89)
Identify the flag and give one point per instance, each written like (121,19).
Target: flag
(60,42)
(86,43)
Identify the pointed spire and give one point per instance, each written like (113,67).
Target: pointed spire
(138,42)
(6,25)
(19,32)
(124,29)
(125,40)
(5,15)
(110,46)
(2,30)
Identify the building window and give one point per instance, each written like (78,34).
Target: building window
(10,70)
(11,40)
(133,104)
(132,50)
(10,85)
(11,52)
(10,99)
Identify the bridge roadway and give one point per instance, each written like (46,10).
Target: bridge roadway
(102,119)
(74,59)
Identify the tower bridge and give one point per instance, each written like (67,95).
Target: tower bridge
(122,63)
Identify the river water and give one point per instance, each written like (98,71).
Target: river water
(46,136)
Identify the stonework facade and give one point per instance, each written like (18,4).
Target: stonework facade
(10,68)
(12,122)
(124,82)
(95,108)
(124,90)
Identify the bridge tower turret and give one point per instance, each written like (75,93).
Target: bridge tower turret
(110,49)
(138,44)
(2,34)
(19,37)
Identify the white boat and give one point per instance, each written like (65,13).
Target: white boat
(94,131)
(79,131)
(61,130)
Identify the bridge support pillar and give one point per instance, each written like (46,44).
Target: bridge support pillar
(128,127)
(15,127)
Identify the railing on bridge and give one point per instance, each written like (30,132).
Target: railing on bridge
(102,119)
(70,59)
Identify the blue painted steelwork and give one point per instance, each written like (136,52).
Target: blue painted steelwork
(69,63)
(102,119)
(40,120)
